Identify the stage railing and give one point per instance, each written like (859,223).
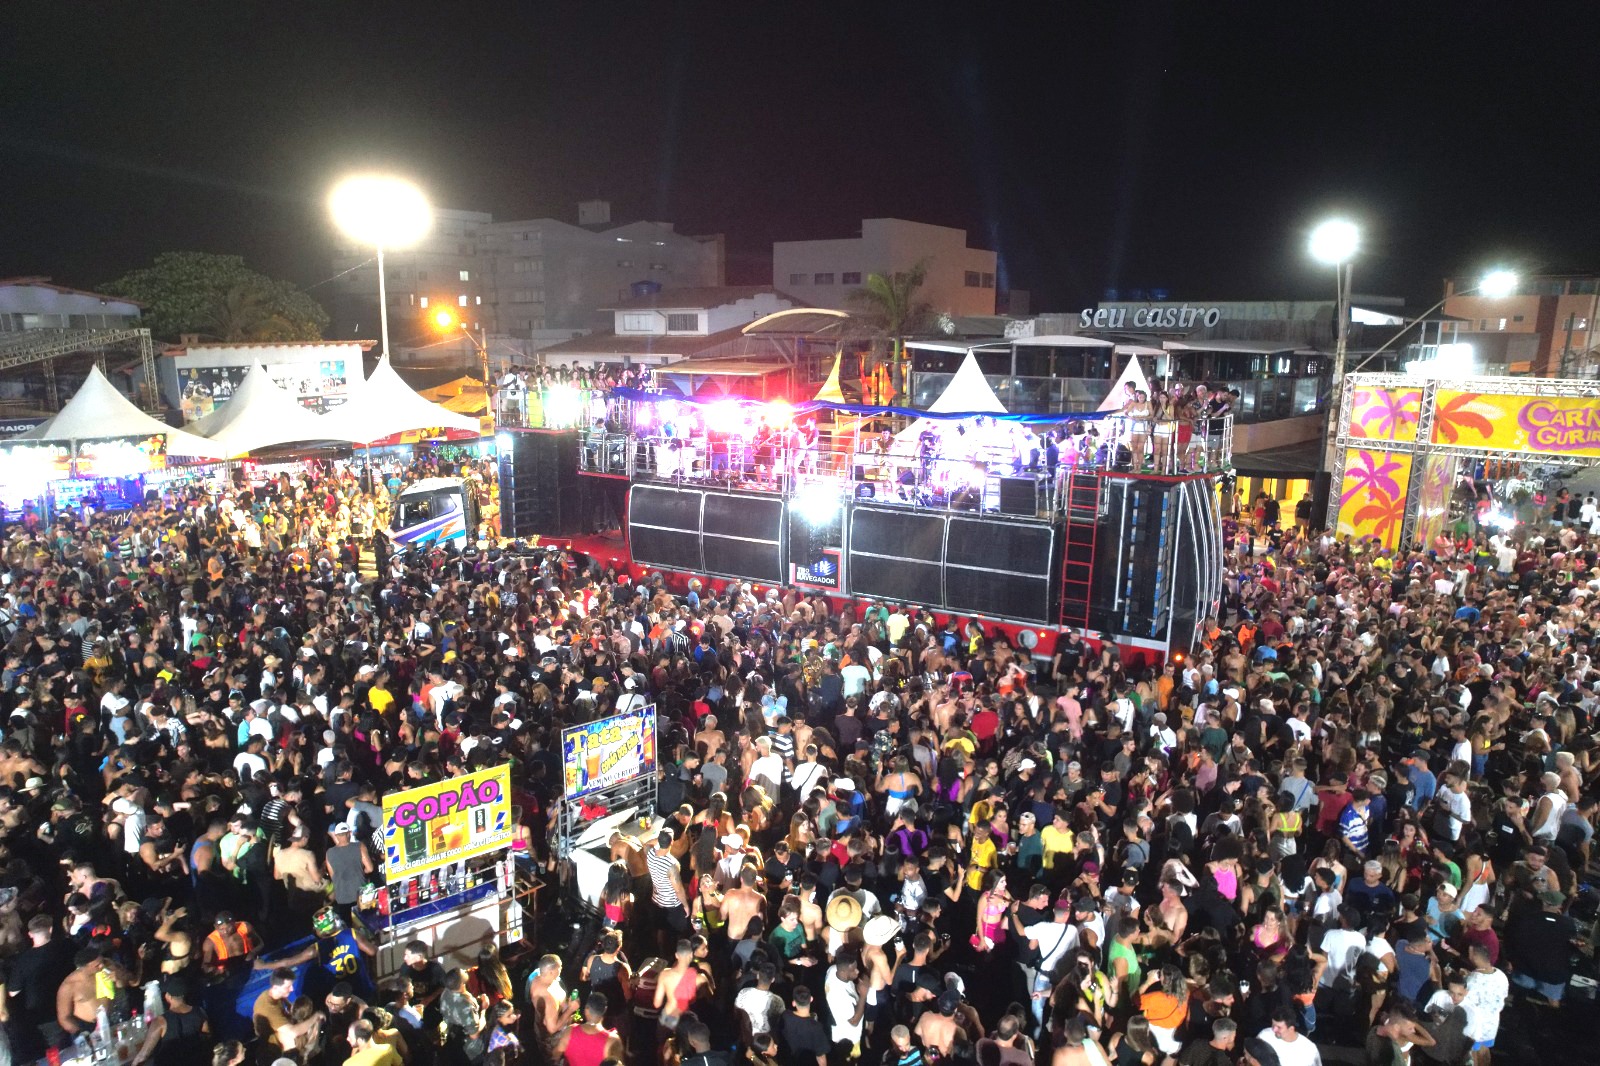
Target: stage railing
(987,478)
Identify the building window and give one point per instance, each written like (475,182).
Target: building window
(1483,324)
(1516,318)
(988,281)
(477,299)
(636,323)
(1502,323)
(797,279)
(850,277)
(659,244)
(466,275)
(683,323)
(424,301)
(624,262)
(974,279)
(822,279)
(461,301)
(625,240)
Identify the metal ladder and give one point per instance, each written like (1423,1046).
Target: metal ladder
(1084,505)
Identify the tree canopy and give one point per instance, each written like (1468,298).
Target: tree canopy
(220,298)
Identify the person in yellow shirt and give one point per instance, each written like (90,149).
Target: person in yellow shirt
(365,1051)
(1056,839)
(379,695)
(982,857)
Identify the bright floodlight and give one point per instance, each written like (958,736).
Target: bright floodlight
(379,211)
(1335,241)
(1498,284)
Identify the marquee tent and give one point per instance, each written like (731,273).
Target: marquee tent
(968,391)
(98,411)
(387,405)
(261,415)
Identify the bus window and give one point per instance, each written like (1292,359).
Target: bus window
(413,511)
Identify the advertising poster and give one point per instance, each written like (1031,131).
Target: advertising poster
(122,456)
(611,751)
(29,466)
(203,389)
(318,385)
(435,825)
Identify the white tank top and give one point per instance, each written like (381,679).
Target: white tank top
(1546,830)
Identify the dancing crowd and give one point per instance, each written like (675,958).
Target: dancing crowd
(1359,813)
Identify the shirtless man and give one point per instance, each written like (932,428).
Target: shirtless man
(937,1028)
(709,740)
(1077,1048)
(678,986)
(295,865)
(551,1008)
(812,919)
(229,945)
(742,903)
(628,849)
(88,988)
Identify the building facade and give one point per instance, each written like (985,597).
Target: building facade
(31,303)
(528,279)
(1545,328)
(960,280)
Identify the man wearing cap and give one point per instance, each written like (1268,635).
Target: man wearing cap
(348,865)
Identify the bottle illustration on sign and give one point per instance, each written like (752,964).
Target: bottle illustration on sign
(416,838)
(436,835)
(573,782)
(591,766)
(480,822)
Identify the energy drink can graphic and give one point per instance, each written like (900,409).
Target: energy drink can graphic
(416,838)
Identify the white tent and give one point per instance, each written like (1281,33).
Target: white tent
(386,405)
(260,415)
(1132,374)
(968,391)
(97,411)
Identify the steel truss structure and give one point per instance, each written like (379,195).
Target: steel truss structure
(47,345)
(1423,447)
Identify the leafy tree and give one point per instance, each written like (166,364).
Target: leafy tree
(217,296)
(889,307)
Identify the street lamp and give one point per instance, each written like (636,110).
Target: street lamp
(1335,242)
(1496,284)
(380,212)
(448,321)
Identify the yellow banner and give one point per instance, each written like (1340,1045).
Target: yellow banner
(435,825)
(1566,425)
(1372,498)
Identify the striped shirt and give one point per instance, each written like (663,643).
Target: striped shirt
(663,866)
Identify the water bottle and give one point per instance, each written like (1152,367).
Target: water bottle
(153,1005)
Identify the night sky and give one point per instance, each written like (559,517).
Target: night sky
(1185,146)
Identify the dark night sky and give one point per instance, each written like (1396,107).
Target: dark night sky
(1183,145)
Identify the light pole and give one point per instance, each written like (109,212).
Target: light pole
(445,319)
(1335,242)
(1497,285)
(380,212)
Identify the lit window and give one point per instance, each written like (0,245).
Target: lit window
(659,244)
(625,240)
(466,275)
(424,301)
(1502,323)
(461,301)
(477,299)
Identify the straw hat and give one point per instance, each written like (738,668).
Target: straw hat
(879,930)
(844,913)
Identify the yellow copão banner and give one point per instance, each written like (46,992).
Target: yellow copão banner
(435,825)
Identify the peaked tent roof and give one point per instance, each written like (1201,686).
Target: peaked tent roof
(830,389)
(386,405)
(968,391)
(97,411)
(260,415)
(1132,374)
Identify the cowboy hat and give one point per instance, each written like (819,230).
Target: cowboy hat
(844,913)
(879,930)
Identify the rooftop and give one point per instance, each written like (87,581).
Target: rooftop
(698,299)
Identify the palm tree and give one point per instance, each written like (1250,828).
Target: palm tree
(244,313)
(889,307)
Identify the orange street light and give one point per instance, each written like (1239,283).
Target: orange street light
(445,320)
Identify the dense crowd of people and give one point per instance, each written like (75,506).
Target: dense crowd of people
(1360,813)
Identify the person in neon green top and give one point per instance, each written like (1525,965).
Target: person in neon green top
(1122,960)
